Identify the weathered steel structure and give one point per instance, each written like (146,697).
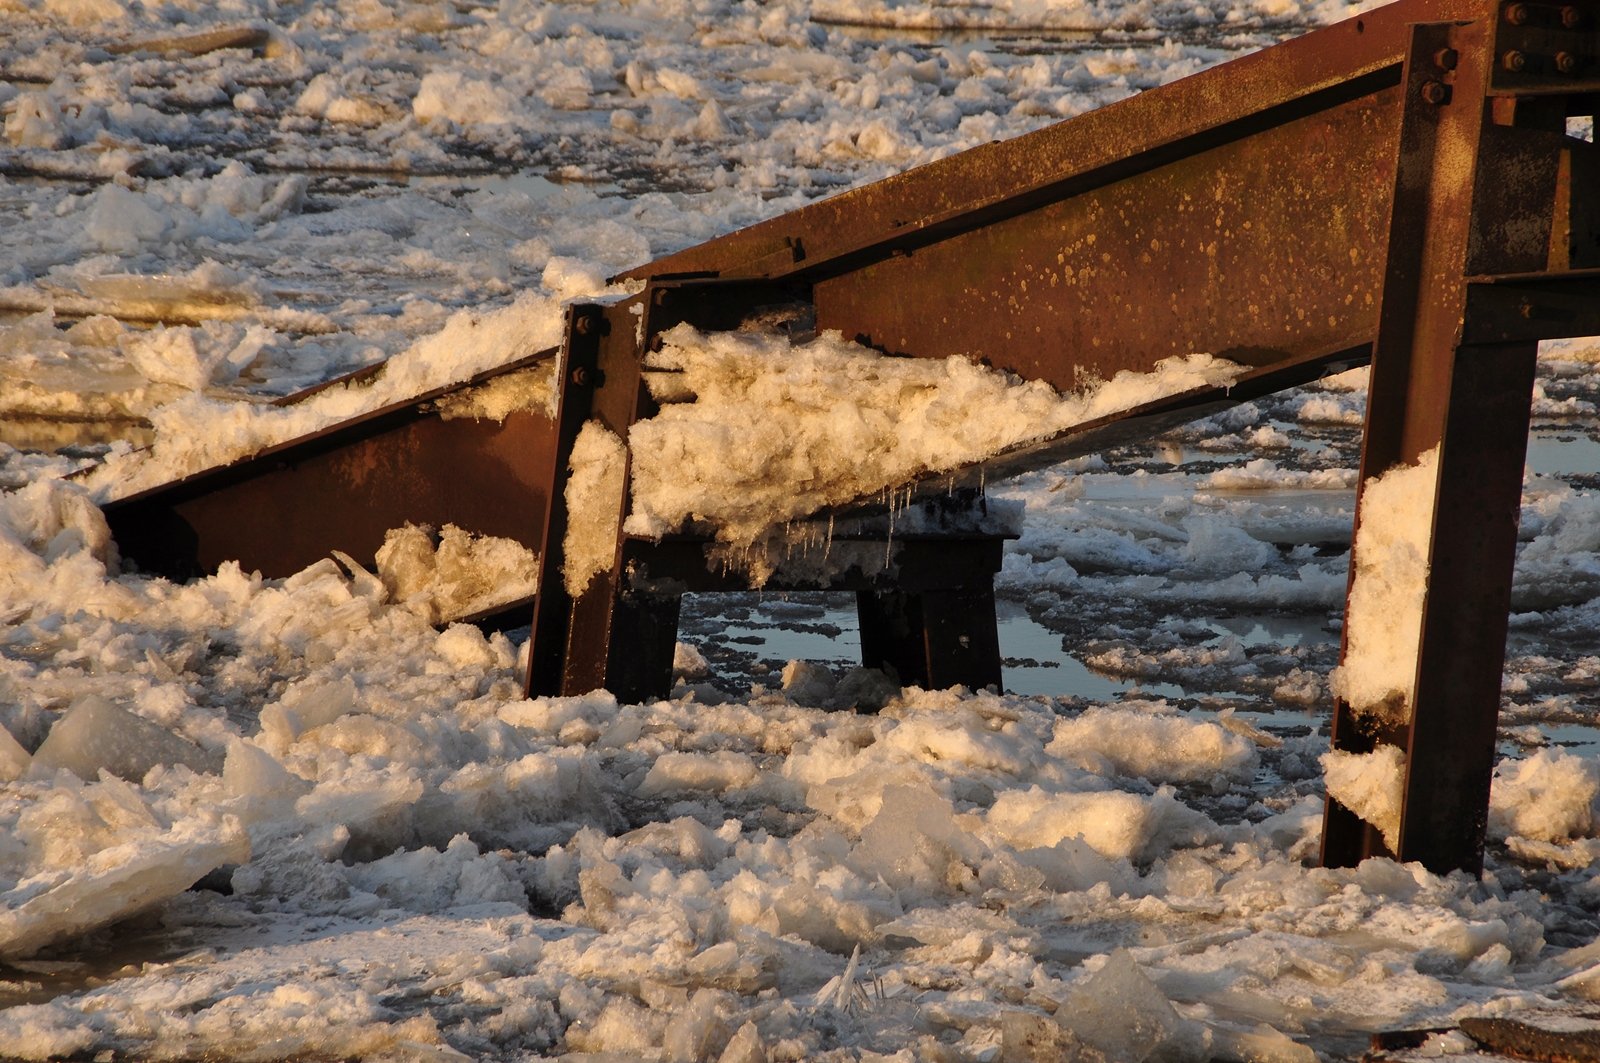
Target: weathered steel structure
(1398,188)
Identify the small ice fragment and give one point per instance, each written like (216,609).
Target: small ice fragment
(96,734)
(1119,1011)
(808,684)
(1263,1045)
(719,771)
(322,705)
(14,760)
(464,646)
(1029,1038)
(696,1034)
(251,772)
(688,662)
(745,1046)
(1547,797)
(843,996)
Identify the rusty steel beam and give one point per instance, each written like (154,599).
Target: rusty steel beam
(342,488)
(1243,212)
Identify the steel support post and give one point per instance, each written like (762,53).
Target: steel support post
(1452,220)
(932,638)
(576,380)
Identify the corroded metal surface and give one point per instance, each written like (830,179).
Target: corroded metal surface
(1458,155)
(1578,1044)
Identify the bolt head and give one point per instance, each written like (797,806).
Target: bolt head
(1447,58)
(580,376)
(1513,61)
(1571,17)
(1516,14)
(1566,62)
(1436,93)
(583,325)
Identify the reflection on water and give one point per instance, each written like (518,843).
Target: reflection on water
(1262,629)
(534,185)
(1560,452)
(1037,661)
(38,433)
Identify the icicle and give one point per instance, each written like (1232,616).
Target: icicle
(828,547)
(888,543)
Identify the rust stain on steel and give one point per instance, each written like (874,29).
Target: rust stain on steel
(1252,249)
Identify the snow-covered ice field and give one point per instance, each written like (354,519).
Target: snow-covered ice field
(395,857)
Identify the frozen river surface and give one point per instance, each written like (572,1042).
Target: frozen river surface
(334,831)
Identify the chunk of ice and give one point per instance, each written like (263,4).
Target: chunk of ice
(95,734)
(1383,621)
(116,883)
(1119,1011)
(1370,785)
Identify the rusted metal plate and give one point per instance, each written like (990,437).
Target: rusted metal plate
(1305,76)
(342,489)
(1525,1041)
(1257,251)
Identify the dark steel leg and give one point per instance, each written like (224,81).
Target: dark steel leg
(962,638)
(933,639)
(1452,220)
(644,636)
(552,610)
(891,634)
(1452,748)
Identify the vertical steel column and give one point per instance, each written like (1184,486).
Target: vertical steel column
(1459,151)
(576,379)
(933,638)
(612,632)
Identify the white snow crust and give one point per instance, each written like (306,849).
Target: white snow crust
(1392,545)
(594,496)
(774,432)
